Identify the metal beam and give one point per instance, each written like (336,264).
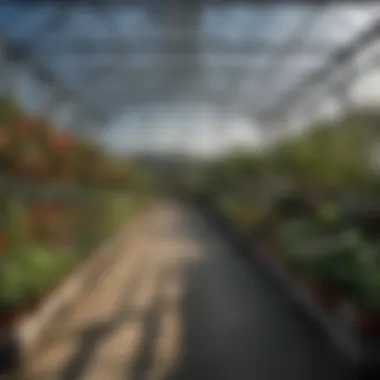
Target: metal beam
(338,58)
(282,53)
(117,46)
(151,3)
(17,55)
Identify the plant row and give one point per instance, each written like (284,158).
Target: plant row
(60,197)
(34,150)
(311,203)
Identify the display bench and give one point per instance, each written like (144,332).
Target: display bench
(337,322)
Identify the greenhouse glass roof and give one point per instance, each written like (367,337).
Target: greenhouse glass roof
(107,59)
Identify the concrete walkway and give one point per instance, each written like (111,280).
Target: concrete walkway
(178,305)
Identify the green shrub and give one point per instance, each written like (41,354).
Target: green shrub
(295,236)
(367,287)
(333,263)
(29,272)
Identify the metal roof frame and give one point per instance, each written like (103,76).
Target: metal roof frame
(283,102)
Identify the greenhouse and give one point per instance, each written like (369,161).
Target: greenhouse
(189,190)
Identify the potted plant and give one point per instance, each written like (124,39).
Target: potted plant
(291,206)
(294,237)
(26,275)
(328,213)
(243,217)
(332,265)
(323,277)
(13,286)
(267,225)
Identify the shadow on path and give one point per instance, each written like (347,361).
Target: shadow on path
(94,336)
(145,356)
(238,325)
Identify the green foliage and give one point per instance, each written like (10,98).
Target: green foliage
(367,288)
(28,272)
(33,152)
(333,264)
(331,170)
(294,237)
(8,110)
(15,215)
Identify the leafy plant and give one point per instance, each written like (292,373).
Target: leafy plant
(367,288)
(295,236)
(28,272)
(7,110)
(333,263)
